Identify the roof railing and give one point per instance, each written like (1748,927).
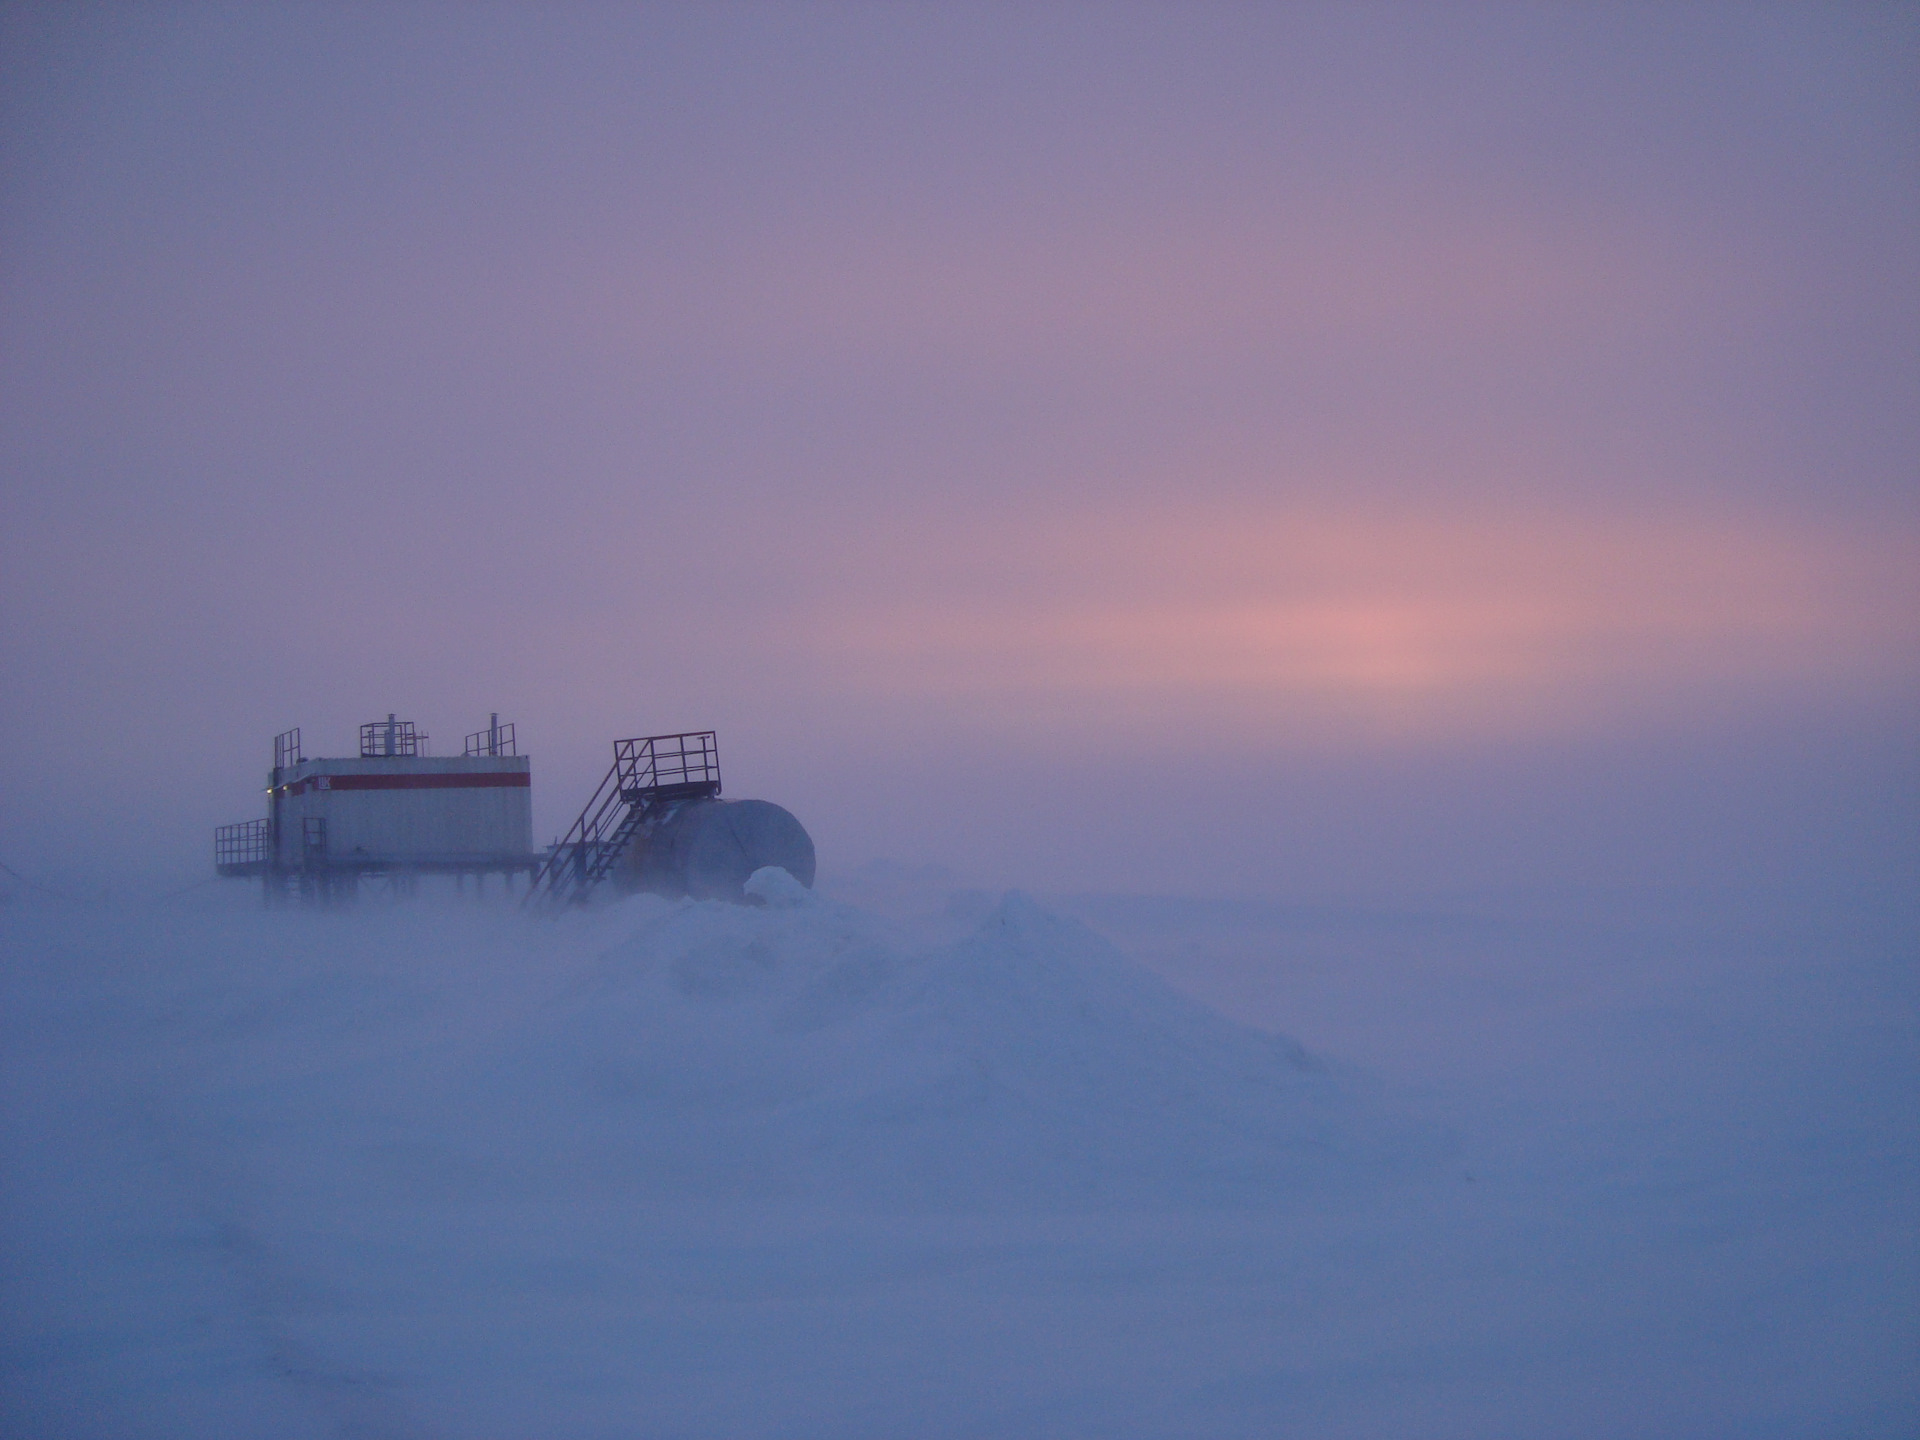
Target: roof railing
(391,738)
(496,739)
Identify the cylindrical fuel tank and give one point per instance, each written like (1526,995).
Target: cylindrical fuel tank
(708,848)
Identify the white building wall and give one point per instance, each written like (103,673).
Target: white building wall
(410,810)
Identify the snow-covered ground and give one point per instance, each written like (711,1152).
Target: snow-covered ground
(886,1162)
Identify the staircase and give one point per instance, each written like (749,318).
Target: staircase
(648,772)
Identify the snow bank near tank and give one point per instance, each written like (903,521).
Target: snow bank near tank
(803,1047)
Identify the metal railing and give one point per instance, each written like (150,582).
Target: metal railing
(496,739)
(381,739)
(241,844)
(286,749)
(653,764)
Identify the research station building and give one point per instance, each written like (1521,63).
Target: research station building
(391,810)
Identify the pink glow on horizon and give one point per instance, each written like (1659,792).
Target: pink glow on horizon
(1322,626)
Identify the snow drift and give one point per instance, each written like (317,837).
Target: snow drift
(685,1169)
(800,1048)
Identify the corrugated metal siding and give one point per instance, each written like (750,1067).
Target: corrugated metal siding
(435,819)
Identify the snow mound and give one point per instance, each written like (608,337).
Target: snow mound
(803,1048)
(771,885)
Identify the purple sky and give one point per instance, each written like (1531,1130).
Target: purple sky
(1221,448)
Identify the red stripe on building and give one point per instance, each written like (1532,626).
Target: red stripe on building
(485,780)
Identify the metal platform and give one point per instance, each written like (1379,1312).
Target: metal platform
(243,849)
(649,773)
